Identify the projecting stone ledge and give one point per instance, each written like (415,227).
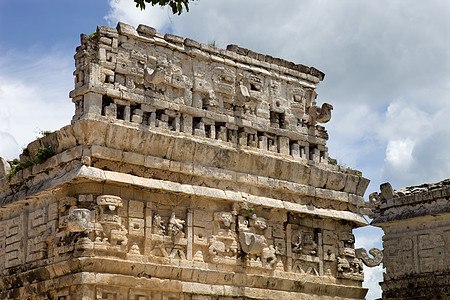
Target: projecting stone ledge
(153,155)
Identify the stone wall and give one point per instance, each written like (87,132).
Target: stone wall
(416,223)
(188,172)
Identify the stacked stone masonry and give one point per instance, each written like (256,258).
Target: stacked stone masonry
(416,223)
(188,172)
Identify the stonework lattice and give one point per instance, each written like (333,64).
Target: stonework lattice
(188,172)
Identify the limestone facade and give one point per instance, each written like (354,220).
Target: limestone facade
(188,172)
(416,241)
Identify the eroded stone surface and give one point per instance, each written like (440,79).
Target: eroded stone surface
(188,172)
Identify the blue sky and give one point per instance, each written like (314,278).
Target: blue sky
(46,22)
(386,63)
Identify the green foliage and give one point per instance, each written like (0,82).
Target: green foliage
(332,161)
(43,153)
(42,133)
(16,166)
(94,34)
(175,5)
(212,44)
(26,152)
(45,132)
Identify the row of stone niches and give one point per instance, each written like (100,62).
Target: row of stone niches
(169,120)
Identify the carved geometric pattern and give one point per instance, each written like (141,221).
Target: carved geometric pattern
(14,242)
(136,227)
(37,226)
(138,294)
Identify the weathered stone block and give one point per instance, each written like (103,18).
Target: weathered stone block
(318,177)
(336,181)
(362,186)
(126,29)
(351,184)
(146,30)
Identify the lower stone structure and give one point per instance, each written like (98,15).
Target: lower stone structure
(416,223)
(82,226)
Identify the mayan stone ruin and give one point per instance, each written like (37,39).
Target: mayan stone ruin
(188,172)
(416,242)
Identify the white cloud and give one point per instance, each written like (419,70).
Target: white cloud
(417,134)
(364,237)
(399,154)
(8,145)
(126,11)
(372,277)
(405,119)
(33,97)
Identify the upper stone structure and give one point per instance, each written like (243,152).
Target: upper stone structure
(232,97)
(416,223)
(188,172)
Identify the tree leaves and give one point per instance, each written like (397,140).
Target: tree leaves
(175,5)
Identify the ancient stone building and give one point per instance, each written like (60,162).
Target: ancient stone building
(188,172)
(416,223)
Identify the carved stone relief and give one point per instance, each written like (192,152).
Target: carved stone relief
(305,250)
(168,238)
(349,266)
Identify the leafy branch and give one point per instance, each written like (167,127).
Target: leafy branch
(175,5)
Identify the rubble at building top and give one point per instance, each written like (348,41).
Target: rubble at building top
(414,201)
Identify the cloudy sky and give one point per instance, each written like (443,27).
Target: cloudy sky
(386,64)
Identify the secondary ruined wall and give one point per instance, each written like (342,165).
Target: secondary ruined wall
(416,223)
(189,172)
